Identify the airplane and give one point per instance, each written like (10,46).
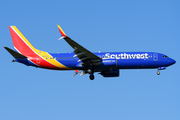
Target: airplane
(82,60)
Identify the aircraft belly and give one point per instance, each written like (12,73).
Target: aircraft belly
(137,64)
(73,64)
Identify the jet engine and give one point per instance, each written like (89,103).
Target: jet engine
(110,73)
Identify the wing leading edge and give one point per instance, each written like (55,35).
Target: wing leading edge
(87,57)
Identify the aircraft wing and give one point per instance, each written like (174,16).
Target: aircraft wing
(87,57)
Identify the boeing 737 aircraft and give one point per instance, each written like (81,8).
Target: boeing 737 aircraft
(82,60)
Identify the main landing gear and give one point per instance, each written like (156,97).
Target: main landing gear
(91,77)
(91,72)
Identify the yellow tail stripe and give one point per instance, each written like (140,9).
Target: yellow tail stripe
(39,52)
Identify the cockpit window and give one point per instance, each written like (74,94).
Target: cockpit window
(164,56)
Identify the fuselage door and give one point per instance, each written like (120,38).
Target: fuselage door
(155,57)
(38,60)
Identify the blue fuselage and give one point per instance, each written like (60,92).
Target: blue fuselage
(118,60)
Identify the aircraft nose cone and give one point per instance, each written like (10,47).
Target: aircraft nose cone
(172,61)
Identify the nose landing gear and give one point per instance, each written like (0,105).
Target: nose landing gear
(158,73)
(160,68)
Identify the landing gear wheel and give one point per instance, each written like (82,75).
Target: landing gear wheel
(91,77)
(158,73)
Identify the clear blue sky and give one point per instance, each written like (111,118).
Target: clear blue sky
(28,93)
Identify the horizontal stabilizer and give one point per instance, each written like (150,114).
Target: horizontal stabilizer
(14,53)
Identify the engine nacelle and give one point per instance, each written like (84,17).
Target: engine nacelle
(110,73)
(109,63)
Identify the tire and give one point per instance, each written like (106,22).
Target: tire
(91,77)
(158,73)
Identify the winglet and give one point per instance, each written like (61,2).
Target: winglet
(62,32)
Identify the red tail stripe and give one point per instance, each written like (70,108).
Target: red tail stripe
(24,49)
